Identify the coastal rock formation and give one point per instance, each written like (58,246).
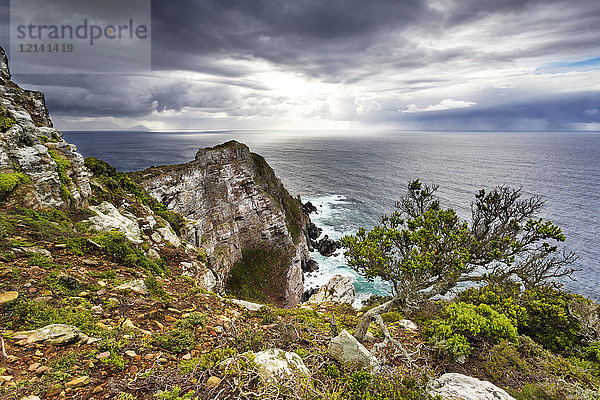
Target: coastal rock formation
(234,203)
(51,171)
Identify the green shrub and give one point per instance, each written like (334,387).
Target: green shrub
(32,315)
(549,321)
(545,313)
(178,340)
(156,289)
(267,315)
(114,361)
(250,340)
(197,319)
(41,261)
(62,167)
(175,394)
(215,357)
(10,181)
(116,244)
(503,298)
(77,245)
(6,121)
(460,326)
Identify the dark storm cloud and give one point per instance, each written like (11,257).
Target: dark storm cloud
(208,55)
(309,34)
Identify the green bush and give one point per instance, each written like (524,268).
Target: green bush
(62,167)
(32,315)
(461,326)
(178,340)
(175,394)
(116,244)
(10,181)
(6,122)
(503,298)
(41,261)
(549,321)
(156,289)
(545,313)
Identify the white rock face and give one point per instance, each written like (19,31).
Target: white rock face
(109,218)
(457,386)
(232,201)
(276,364)
(26,146)
(339,289)
(168,235)
(348,351)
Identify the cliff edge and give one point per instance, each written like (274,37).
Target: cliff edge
(48,170)
(240,213)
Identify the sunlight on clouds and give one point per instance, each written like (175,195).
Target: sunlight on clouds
(446,104)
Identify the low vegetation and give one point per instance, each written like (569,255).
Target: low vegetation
(536,341)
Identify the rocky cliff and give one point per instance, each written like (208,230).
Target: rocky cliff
(236,206)
(33,152)
(238,213)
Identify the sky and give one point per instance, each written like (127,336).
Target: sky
(347,64)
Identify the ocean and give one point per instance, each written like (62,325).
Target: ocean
(355,177)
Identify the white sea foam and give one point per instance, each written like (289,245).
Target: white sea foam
(333,210)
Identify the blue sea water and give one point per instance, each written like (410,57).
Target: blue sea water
(355,177)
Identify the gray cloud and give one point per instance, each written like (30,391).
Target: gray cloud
(349,60)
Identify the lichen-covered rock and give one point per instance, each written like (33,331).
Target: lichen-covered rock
(8,296)
(348,351)
(57,334)
(339,290)
(233,201)
(136,286)
(248,305)
(108,218)
(457,386)
(276,364)
(408,325)
(55,171)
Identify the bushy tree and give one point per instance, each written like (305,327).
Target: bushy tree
(425,251)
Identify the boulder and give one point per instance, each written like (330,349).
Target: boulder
(137,286)
(276,364)
(313,231)
(310,265)
(309,208)
(8,296)
(308,294)
(38,250)
(213,382)
(408,324)
(348,351)
(58,334)
(457,386)
(108,218)
(339,289)
(248,305)
(327,246)
(169,235)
